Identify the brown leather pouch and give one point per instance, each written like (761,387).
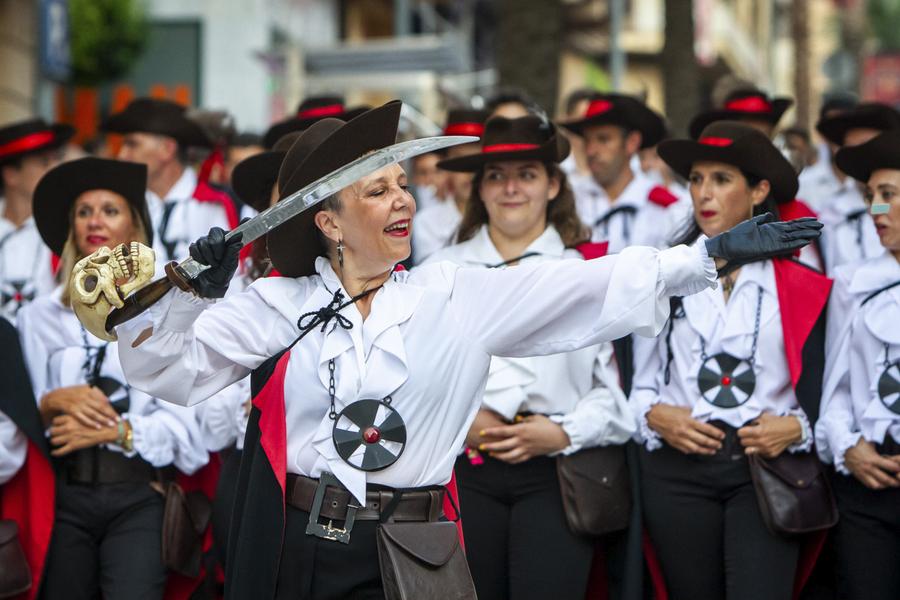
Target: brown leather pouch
(794,493)
(185,518)
(423,560)
(596,490)
(15,575)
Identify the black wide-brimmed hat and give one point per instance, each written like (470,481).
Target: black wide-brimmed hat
(868,115)
(625,111)
(466,121)
(57,191)
(881,152)
(525,138)
(160,117)
(741,105)
(28,137)
(326,146)
(739,145)
(253,177)
(310,110)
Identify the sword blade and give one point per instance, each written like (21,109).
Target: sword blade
(319,190)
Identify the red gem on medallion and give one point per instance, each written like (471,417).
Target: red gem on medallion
(726,380)
(371,435)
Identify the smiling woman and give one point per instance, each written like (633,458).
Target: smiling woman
(366,379)
(108,441)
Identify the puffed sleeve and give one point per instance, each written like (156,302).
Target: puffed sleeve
(166,434)
(196,348)
(837,430)
(566,305)
(602,416)
(35,332)
(13,448)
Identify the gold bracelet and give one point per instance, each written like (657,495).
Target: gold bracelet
(128,442)
(122,431)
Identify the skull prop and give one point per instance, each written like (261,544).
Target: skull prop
(102,280)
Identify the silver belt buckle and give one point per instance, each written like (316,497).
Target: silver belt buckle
(328,531)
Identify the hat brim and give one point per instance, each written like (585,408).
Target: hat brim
(57,191)
(881,152)
(555,150)
(701,121)
(253,178)
(184,131)
(639,117)
(61,135)
(295,245)
(681,155)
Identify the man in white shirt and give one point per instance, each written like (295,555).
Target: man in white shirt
(28,149)
(622,205)
(158,134)
(849,234)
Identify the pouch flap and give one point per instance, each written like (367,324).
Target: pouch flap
(797,470)
(199,509)
(431,543)
(8,530)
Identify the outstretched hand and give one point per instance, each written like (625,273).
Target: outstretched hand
(761,238)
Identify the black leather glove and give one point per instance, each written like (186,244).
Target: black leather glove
(222,258)
(761,238)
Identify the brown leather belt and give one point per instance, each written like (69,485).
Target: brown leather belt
(419,505)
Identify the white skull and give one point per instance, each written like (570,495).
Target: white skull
(102,280)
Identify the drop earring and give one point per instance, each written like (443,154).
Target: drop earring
(340,251)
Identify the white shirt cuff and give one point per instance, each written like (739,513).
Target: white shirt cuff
(182,311)
(845,443)
(806,440)
(651,439)
(686,270)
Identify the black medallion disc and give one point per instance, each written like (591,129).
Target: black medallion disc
(369,435)
(726,381)
(889,387)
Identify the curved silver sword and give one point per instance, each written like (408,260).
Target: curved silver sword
(330,184)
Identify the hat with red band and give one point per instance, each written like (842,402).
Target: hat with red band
(739,145)
(29,137)
(310,110)
(625,111)
(525,138)
(159,117)
(749,104)
(466,121)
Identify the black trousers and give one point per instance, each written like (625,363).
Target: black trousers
(867,540)
(518,544)
(106,543)
(703,518)
(312,568)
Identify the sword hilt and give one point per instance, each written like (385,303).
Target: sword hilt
(147,296)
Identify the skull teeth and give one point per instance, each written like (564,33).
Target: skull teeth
(123,261)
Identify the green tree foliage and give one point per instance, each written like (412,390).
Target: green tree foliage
(107,37)
(884,18)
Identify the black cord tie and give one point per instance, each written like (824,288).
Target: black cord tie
(327,313)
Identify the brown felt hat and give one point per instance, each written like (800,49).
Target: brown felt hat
(466,121)
(160,117)
(525,138)
(326,146)
(253,177)
(736,144)
(310,110)
(881,152)
(740,105)
(29,137)
(57,191)
(625,111)
(870,115)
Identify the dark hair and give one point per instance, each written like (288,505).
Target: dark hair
(246,138)
(579,95)
(561,211)
(690,231)
(509,95)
